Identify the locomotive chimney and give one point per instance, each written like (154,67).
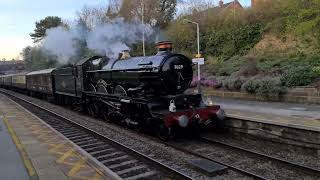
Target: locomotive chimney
(125,54)
(163,44)
(164,47)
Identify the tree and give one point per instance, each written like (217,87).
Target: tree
(89,17)
(36,59)
(196,6)
(43,25)
(26,55)
(157,12)
(166,11)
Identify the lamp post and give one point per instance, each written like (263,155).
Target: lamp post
(143,33)
(198,55)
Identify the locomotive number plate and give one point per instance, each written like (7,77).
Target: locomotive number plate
(178,67)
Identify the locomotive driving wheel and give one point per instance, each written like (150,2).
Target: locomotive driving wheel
(103,87)
(90,105)
(164,133)
(120,91)
(104,108)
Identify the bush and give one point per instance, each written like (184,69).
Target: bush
(316,70)
(267,89)
(226,67)
(270,89)
(232,83)
(251,86)
(207,82)
(299,76)
(232,40)
(212,83)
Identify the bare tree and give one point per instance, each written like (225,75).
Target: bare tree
(114,5)
(157,12)
(92,16)
(193,6)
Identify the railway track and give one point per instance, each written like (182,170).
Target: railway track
(271,158)
(239,170)
(295,167)
(248,172)
(124,161)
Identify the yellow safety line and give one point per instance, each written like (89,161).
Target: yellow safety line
(66,155)
(56,147)
(37,130)
(25,159)
(96,176)
(76,167)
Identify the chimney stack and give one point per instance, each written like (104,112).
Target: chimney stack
(253,3)
(164,46)
(221,3)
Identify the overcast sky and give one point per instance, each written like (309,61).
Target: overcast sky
(18,17)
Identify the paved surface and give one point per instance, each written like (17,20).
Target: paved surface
(287,114)
(10,160)
(47,155)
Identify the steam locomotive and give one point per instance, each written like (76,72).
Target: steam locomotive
(144,92)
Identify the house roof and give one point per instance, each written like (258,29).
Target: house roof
(229,4)
(44,71)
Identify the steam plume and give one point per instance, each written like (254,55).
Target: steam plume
(104,39)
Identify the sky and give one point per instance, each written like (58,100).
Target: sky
(18,17)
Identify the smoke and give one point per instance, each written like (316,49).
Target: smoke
(62,43)
(104,39)
(111,38)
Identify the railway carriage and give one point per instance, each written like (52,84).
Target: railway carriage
(7,81)
(19,81)
(1,80)
(41,83)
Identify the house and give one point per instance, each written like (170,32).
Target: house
(12,67)
(254,3)
(231,5)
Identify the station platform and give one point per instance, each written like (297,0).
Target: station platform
(300,116)
(30,149)
(10,159)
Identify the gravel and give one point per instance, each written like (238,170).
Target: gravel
(306,156)
(262,166)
